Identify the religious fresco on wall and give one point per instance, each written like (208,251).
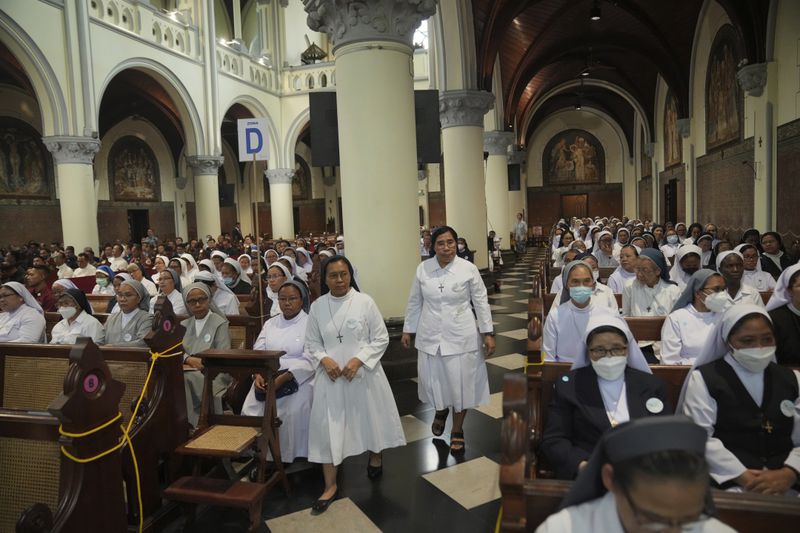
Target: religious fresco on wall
(647,162)
(133,171)
(673,149)
(723,97)
(573,157)
(26,167)
(301,182)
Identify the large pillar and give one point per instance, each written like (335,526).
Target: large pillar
(76,194)
(206,193)
(461,114)
(497,213)
(760,80)
(280,202)
(422,198)
(377,139)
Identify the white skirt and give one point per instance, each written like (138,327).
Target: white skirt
(295,414)
(459,381)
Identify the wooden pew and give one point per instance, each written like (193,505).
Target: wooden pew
(765,296)
(99,302)
(41,489)
(605,273)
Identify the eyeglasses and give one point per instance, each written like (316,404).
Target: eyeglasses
(337,275)
(7,294)
(275,276)
(125,295)
(287,300)
(645,270)
(651,522)
(709,290)
(617,351)
(197,301)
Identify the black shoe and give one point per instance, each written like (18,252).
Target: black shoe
(374,472)
(320,506)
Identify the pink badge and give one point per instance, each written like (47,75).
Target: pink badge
(91,383)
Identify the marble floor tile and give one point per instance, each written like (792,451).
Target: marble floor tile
(500,295)
(495,406)
(342,516)
(523,316)
(497,307)
(471,484)
(516,334)
(415,429)
(511,361)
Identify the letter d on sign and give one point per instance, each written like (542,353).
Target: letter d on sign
(253,139)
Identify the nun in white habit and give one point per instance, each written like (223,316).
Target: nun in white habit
(294,387)
(192,264)
(753,274)
(731,265)
(609,385)
(169,285)
(626,271)
(687,262)
(563,336)
(353,409)
(76,320)
(748,405)
(632,483)
(21,316)
(221,295)
(687,328)
(602,295)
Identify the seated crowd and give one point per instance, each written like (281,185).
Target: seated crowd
(731,315)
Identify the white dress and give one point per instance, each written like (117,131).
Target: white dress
(350,417)
(26,324)
(601,515)
(450,359)
(108,290)
(293,410)
(602,295)
(759,280)
(684,333)
(618,279)
(564,330)
(640,300)
(84,325)
(748,295)
(226,301)
(702,408)
(176,299)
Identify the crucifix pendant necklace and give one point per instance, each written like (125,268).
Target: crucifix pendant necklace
(339,329)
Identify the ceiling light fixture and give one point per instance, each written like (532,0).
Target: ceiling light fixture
(578,106)
(594,13)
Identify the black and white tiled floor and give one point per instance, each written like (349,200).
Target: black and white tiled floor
(424,488)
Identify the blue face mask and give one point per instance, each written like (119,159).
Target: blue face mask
(672,239)
(228,281)
(580,294)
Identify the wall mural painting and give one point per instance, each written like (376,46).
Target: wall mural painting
(647,162)
(673,149)
(301,182)
(573,157)
(26,167)
(133,171)
(723,97)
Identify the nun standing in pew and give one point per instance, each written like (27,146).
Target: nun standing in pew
(687,328)
(563,335)
(134,321)
(294,385)
(748,405)
(645,475)
(609,385)
(784,310)
(76,320)
(206,329)
(21,316)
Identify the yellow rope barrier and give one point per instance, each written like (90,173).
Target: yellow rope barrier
(154,356)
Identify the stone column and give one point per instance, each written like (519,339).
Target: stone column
(760,80)
(76,193)
(461,114)
(280,202)
(497,212)
(206,193)
(422,197)
(377,137)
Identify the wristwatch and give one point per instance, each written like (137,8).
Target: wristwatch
(491,333)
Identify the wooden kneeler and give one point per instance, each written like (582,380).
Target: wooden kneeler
(229,436)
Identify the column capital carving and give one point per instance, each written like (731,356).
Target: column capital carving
(350,21)
(649,149)
(464,108)
(684,127)
(329,180)
(497,142)
(205,164)
(278,176)
(68,149)
(753,78)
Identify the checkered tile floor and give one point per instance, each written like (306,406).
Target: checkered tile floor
(423,488)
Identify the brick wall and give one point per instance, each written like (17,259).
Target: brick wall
(112,219)
(646,198)
(312,217)
(788,179)
(725,188)
(22,221)
(544,204)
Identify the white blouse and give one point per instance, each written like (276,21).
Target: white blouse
(26,324)
(759,280)
(684,333)
(84,325)
(640,300)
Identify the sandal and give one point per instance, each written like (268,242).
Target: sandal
(457,443)
(439,421)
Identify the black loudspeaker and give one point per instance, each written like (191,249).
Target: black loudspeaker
(325,132)
(429,129)
(513,177)
(324,129)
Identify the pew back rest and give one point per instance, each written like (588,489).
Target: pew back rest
(244,331)
(32,375)
(29,465)
(99,302)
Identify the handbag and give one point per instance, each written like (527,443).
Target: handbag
(287,389)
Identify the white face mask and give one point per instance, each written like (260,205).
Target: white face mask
(610,368)
(461,247)
(754,359)
(596,274)
(718,302)
(67,312)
